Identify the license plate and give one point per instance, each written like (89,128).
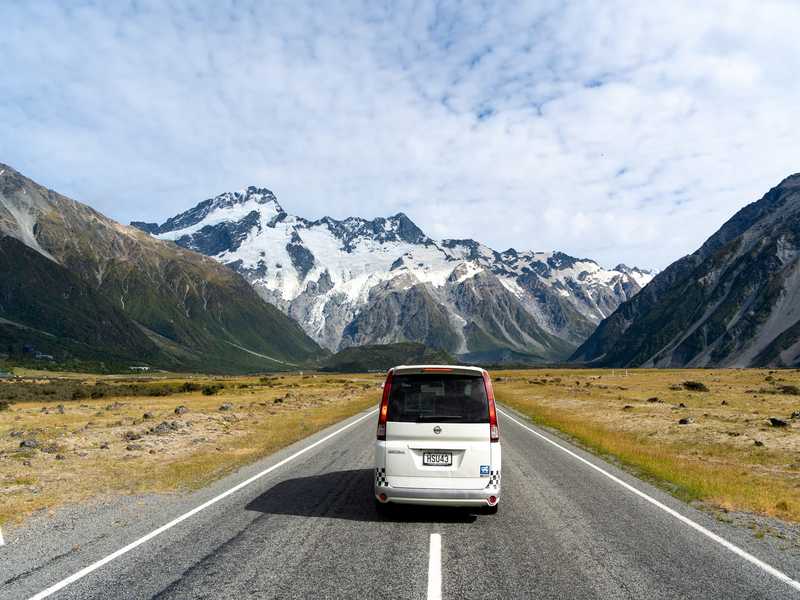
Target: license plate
(437,459)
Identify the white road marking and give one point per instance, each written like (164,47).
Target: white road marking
(696,526)
(435,568)
(2,541)
(103,561)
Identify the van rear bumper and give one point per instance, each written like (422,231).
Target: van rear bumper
(437,497)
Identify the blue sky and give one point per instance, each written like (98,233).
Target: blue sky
(619,131)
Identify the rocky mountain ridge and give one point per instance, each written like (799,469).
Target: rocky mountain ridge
(735,302)
(160,303)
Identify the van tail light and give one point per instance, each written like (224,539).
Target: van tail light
(494,431)
(383,412)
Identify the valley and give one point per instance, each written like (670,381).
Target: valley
(237,284)
(444,300)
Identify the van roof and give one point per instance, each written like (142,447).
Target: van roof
(458,369)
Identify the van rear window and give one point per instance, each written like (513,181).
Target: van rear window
(438,397)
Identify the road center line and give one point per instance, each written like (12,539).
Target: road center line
(103,561)
(435,568)
(686,520)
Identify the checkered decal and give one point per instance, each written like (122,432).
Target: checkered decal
(494,479)
(380,478)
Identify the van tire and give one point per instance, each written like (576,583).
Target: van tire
(491,510)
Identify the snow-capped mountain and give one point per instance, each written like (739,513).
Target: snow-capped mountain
(356,281)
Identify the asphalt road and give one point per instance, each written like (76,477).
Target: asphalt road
(309,529)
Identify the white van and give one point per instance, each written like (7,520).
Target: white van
(438,441)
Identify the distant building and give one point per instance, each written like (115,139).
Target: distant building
(42,356)
(139,368)
(4,375)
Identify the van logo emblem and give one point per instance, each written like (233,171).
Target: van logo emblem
(437,430)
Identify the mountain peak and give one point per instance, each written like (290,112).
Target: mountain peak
(245,195)
(407,230)
(228,206)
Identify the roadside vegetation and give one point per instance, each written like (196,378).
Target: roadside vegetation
(727,439)
(70,438)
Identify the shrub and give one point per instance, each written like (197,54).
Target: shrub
(188,386)
(695,386)
(158,390)
(4,405)
(211,390)
(791,390)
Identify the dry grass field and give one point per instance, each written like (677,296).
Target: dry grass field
(69,438)
(705,435)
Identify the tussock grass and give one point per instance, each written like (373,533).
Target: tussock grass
(107,448)
(714,459)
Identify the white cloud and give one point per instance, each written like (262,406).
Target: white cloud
(611,130)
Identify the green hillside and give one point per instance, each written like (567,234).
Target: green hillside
(113,290)
(382,357)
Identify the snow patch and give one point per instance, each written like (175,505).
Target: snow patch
(227,214)
(512,286)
